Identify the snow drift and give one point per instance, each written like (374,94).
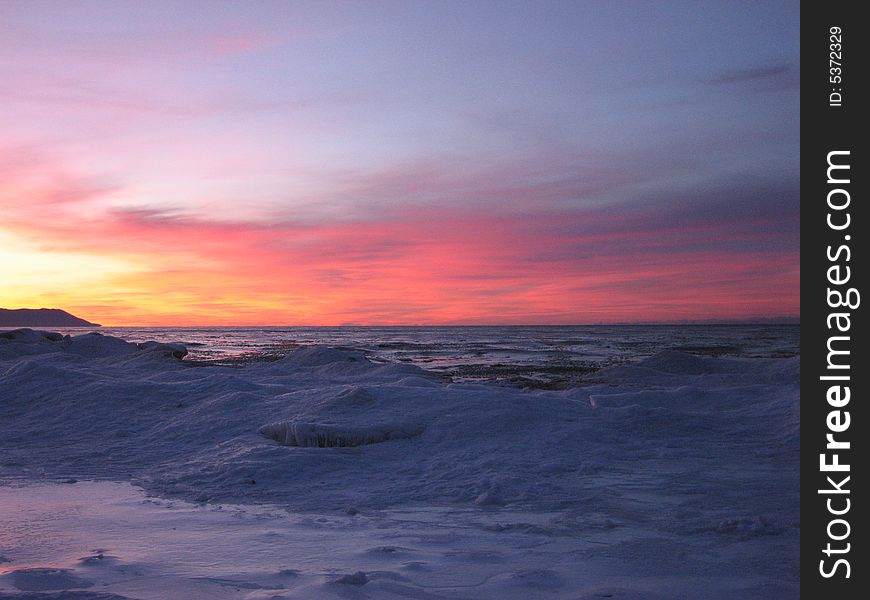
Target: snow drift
(685,449)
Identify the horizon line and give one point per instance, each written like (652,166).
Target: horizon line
(769,321)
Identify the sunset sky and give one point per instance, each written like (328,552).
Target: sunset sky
(409,162)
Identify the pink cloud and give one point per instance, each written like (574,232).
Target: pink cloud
(429,267)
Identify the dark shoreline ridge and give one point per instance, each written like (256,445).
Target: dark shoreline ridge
(41,317)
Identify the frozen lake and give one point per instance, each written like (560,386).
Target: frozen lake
(326,473)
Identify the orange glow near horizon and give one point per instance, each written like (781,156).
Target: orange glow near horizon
(433,267)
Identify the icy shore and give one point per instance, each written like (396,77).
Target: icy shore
(674,477)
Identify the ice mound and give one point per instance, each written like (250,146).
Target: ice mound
(97,345)
(30,335)
(325,435)
(343,363)
(29,342)
(318,356)
(24,342)
(358,578)
(178,351)
(355,416)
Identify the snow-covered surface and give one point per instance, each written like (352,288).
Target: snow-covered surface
(672,477)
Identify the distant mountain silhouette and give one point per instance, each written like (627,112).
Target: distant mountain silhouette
(40,317)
